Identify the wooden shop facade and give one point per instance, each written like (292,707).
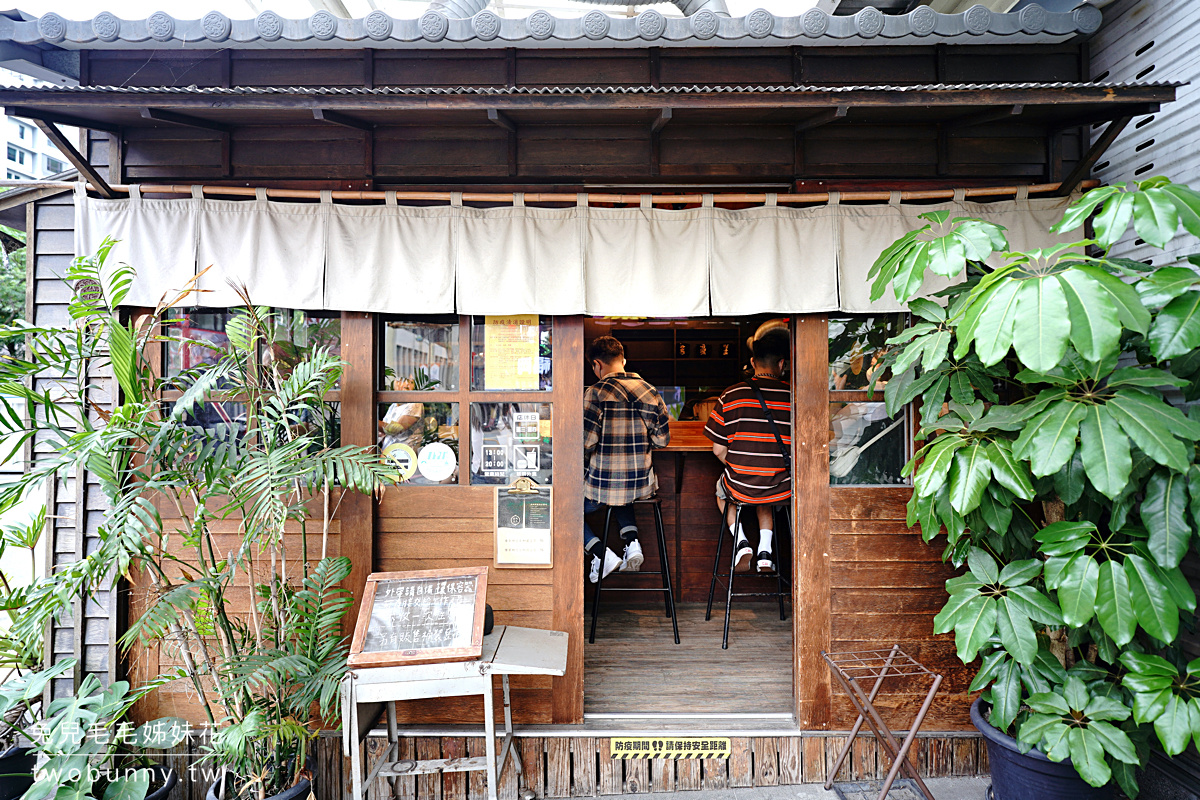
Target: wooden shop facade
(673,150)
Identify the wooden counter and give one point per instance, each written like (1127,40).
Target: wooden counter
(687,436)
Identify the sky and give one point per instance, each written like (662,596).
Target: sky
(296,9)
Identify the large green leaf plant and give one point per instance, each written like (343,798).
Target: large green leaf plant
(1061,465)
(200,511)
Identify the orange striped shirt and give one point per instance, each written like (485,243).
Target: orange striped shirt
(755,470)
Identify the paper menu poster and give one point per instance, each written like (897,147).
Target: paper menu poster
(510,352)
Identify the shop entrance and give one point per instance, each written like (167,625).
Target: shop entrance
(634,668)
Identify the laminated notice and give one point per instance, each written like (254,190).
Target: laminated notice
(642,747)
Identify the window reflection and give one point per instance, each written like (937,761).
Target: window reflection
(866,447)
(510,353)
(856,344)
(511,440)
(408,430)
(420,355)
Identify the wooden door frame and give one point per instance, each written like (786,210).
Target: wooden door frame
(811,618)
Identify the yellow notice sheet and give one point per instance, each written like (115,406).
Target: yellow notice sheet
(510,352)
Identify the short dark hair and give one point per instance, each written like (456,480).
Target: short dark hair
(606,349)
(772,347)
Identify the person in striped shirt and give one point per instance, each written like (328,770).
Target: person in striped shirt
(757,472)
(624,418)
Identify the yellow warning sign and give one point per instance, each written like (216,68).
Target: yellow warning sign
(668,748)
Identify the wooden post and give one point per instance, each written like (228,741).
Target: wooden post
(810,557)
(568,513)
(357,512)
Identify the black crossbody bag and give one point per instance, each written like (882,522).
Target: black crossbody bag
(787,457)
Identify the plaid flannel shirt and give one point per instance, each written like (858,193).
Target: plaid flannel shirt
(624,418)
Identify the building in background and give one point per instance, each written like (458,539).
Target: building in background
(29,155)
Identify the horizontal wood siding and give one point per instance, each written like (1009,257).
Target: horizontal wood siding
(437,527)
(886,587)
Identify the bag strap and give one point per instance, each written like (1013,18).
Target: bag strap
(762,401)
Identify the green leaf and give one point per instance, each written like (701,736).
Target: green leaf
(1048,703)
(1006,695)
(1176,329)
(983,566)
(927,309)
(1104,707)
(1152,603)
(1194,493)
(1016,632)
(1174,726)
(1068,481)
(1010,472)
(969,477)
(994,330)
(1144,376)
(1164,513)
(1019,573)
(1087,755)
(1081,209)
(947,256)
(1093,315)
(1178,587)
(1077,591)
(957,606)
(1064,538)
(1130,311)
(1104,448)
(1115,742)
(1075,692)
(1165,284)
(128,786)
(1041,338)
(1038,727)
(1154,217)
(910,272)
(934,470)
(884,269)
(1113,609)
(1149,425)
(976,624)
(1035,605)
(1113,219)
(1049,439)
(1187,206)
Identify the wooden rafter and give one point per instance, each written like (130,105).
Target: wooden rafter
(75,157)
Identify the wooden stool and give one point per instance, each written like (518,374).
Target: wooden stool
(780,581)
(664,567)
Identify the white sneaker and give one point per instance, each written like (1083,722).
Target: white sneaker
(633,557)
(611,562)
(744,554)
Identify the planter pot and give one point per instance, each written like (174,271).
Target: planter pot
(298,792)
(1018,776)
(168,777)
(16,772)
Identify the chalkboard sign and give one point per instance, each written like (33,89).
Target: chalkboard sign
(420,617)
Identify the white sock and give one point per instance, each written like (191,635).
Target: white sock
(739,536)
(764,540)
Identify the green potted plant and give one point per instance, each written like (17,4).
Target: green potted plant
(1064,476)
(264,676)
(83,744)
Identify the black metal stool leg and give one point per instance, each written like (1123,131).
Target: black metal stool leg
(779,551)
(737,515)
(712,586)
(666,570)
(608,515)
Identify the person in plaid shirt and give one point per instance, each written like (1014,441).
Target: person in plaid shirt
(624,418)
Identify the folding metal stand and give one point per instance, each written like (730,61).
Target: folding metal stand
(853,666)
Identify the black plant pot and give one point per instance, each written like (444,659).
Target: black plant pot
(169,778)
(298,792)
(1030,776)
(16,772)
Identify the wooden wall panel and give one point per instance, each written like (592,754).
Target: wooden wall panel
(408,68)
(886,586)
(160,68)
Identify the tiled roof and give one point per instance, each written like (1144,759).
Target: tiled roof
(498,91)
(542,29)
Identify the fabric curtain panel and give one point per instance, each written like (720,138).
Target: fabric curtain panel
(632,262)
(646,262)
(521,260)
(774,260)
(391,259)
(275,250)
(156,237)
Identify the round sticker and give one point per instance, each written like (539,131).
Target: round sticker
(436,462)
(403,457)
(88,290)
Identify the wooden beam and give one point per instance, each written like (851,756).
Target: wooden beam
(984,117)
(61,119)
(503,120)
(812,587)
(357,512)
(822,118)
(1107,116)
(1093,155)
(184,120)
(75,157)
(345,120)
(661,121)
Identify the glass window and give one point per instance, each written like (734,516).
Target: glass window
(422,439)
(54,165)
(420,355)
(866,447)
(296,335)
(21,129)
(196,337)
(511,440)
(855,346)
(511,353)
